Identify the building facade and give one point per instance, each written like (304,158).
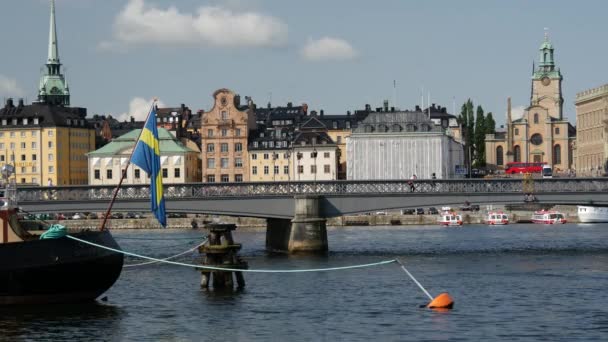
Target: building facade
(179,164)
(541,134)
(592,131)
(314,155)
(224,138)
(400,144)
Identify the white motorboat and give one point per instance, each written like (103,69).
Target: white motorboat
(548,217)
(589,214)
(450,219)
(497,218)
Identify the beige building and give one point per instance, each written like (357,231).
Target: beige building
(225,130)
(179,164)
(541,134)
(592,131)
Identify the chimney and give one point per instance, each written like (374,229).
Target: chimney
(368,107)
(322,112)
(392,109)
(9,102)
(418,108)
(386,105)
(237,100)
(20,105)
(269,105)
(289,104)
(305,108)
(132,119)
(348,113)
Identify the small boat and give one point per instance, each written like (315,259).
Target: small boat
(548,217)
(497,218)
(58,270)
(589,214)
(448,218)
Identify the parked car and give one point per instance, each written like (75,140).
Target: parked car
(475,207)
(77,216)
(130,216)
(433,211)
(92,216)
(117,216)
(420,211)
(380,212)
(407,211)
(176,215)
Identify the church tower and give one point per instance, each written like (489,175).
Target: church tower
(53,88)
(547,82)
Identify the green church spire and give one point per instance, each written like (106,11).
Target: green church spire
(546,66)
(53,88)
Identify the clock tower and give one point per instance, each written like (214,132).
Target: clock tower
(53,88)
(547,82)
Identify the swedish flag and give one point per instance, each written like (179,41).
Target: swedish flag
(147,156)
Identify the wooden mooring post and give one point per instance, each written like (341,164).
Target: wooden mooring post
(221,251)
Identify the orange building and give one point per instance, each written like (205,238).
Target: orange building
(224,133)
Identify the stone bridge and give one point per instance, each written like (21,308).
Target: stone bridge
(299,209)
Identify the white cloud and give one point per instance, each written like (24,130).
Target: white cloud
(9,87)
(138,108)
(328,49)
(141,23)
(517,112)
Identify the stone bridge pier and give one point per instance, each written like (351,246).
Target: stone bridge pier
(305,233)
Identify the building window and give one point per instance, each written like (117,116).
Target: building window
(254,170)
(137,174)
(313,154)
(517,154)
(254,156)
(335,125)
(176,172)
(23,132)
(50,144)
(224,115)
(536,139)
(210,178)
(535,118)
(51,157)
(210,148)
(517,131)
(238,178)
(224,132)
(1,146)
(499,157)
(326,168)
(238,162)
(34,169)
(276,169)
(97,174)
(12,157)
(238,147)
(325,154)
(266,169)
(211,163)
(556,130)
(23,145)
(108,174)
(286,169)
(1,158)
(23,157)
(34,145)
(265,155)
(224,147)
(225,178)
(12,146)
(300,168)
(33,157)
(237,132)
(557,154)
(12,134)
(224,163)
(313,169)
(339,139)
(210,134)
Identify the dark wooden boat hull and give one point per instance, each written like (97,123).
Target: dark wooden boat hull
(58,270)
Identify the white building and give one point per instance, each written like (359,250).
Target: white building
(179,164)
(314,154)
(397,145)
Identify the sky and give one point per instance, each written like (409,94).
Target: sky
(334,55)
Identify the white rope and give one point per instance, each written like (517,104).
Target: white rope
(231,269)
(168,258)
(414,279)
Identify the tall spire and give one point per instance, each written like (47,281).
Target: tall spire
(53,48)
(53,88)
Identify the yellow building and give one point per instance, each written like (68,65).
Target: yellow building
(269,156)
(592,131)
(45,143)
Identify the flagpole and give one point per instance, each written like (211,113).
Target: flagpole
(124,173)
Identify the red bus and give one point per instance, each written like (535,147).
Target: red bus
(521,167)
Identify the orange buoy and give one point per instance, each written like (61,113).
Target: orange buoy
(443,301)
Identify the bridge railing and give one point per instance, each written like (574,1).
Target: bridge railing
(286,189)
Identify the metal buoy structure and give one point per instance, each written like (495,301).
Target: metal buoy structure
(221,251)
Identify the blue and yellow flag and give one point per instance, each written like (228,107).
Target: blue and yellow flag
(147,156)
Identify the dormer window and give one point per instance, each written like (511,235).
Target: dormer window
(69,122)
(3,122)
(25,121)
(35,121)
(82,123)
(15,122)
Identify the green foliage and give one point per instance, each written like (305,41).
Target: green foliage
(480,139)
(475,126)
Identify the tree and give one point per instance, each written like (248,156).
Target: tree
(467,122)
(480,139)
(490,124)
